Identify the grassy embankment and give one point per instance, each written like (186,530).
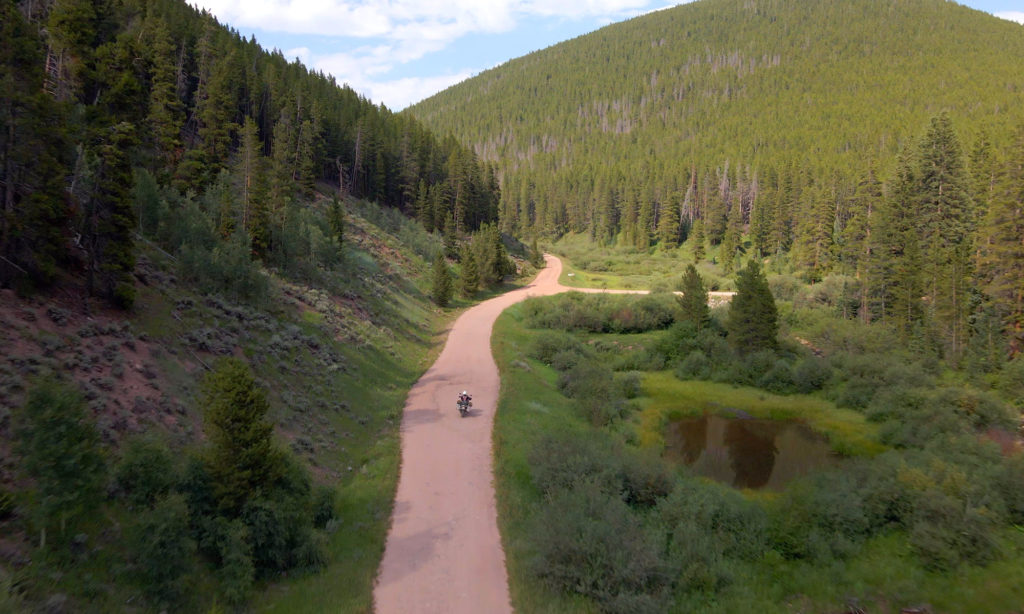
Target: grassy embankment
(337,358)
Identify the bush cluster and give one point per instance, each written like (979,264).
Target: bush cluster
(601,313)
(251,513)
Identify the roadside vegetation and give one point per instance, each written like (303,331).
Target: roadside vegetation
(922,509)
(129,510)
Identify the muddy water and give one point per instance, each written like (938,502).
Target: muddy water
(747,453)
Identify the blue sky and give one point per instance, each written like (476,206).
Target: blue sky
(401,51)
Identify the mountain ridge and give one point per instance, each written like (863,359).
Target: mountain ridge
(686,71)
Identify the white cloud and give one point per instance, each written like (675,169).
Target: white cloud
(365,71)
(303,53)
(396,32)
(401,93)
(402,19)
(1017,16)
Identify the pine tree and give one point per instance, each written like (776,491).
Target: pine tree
(732,241)
(441,287)
(336,221)
(694,301)
(1000,258)
(668,224)
(752,322)
(760,227)
(946,221)
(812,242)
(857,240)
(716,217)
(450,238)
(536,256)
(896,260)
(469,280)
(109,223)
(33,199)
(242,459)
(165,110)
(60,450)
(697,239)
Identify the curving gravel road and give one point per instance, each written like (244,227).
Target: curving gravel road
(443,552)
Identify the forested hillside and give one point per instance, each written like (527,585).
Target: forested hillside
(872,139)
(94,89)
(214,295)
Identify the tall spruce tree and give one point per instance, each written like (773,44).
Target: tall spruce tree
(694,301)
(753,320)
(242,459)
(60,448)
(469,279)
(33,200)
(441,285)
(733,240)
(946,222)
(668,224)
(697,239)
(1000,258)
(109,221)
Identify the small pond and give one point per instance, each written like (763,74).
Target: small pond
(747,453)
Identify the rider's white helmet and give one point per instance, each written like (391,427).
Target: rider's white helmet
(463,392)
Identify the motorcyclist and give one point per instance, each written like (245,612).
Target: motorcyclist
(464,398)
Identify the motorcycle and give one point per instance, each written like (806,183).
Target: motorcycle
(464,407)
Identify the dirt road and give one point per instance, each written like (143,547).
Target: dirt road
(443,551)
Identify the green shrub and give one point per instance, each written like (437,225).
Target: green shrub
(820,518)
(6,503)
(752,367)
(738,527)
(778,379)
(600,313)
(945,531)
(280,522)
(146,472)
(60,450)
(1008,482)
(678,341)
(589,542)
(225,268)
(323,506)
(162,551)
(628,385)
(785,287)
(695,366)
(566,360)
(588,379)
(234,552)
(697,558)
(810,374)
(548,344)
(1011,381)
(563,461)
(638,360)
(859,377)
(979,409)
(645,479)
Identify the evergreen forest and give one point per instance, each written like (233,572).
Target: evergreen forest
(221,272)
(867,139)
